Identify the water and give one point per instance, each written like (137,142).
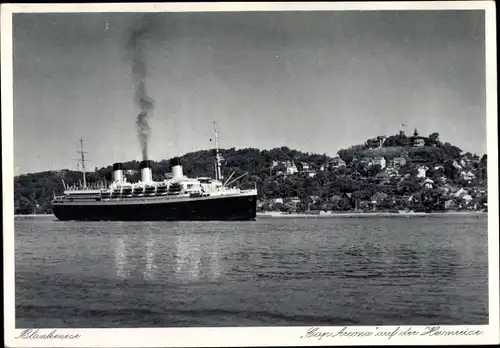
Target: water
(340,271)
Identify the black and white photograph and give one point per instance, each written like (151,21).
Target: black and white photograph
(259,174)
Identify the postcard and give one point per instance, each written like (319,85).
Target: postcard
(250,174)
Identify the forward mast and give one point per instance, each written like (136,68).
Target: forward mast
(82,160)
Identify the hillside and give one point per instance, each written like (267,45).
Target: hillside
(395,172)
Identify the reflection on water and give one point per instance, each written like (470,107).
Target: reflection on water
(120,258)
(187,258)
(149,269)
(193,257)
(214,253)
(197,258)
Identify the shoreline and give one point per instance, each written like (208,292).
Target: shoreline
(276,214)
(32,215)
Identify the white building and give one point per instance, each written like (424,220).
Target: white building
(422,172)
(291,168)
(381,161)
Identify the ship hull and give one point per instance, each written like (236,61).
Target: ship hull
(216,209)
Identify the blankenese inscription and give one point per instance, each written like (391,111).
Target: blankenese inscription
(35,334)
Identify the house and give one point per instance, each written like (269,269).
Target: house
(456,165)
(311,173)
(406,198)
(356,175)
(418,141)
(294,200)
(398,162)
(379,197)
(419,160)
(277,200)
(304,166)
(449,204)
(422,172)
(428,183)
(460,192)
(291,168)
(338,162)
(364,204)
(343,200)
(467,175)
(392,171)
(314,199)
(467,160)
(467,198)
(380,161)
(335,198)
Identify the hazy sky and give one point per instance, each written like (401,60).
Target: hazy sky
(314,81)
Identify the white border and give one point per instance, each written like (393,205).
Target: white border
(255,336)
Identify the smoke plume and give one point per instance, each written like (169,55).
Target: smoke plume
(136,45)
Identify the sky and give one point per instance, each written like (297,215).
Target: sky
(313,81)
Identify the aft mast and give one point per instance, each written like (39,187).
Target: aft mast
(218,175)
(82,154)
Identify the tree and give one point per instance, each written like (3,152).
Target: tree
(433,139)
(452,152)
(409,186)
(396,140)
(288,207)
(374,170)
(408,168)
(484,159)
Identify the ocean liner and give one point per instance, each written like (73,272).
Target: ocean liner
(175,198)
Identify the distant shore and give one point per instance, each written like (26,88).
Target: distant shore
(276,214)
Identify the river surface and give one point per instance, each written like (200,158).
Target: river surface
(300,272)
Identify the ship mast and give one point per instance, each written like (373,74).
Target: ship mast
(82,154)
(218,175)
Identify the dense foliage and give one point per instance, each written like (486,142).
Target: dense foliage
(357,185)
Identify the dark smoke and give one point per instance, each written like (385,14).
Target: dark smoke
(136,45)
